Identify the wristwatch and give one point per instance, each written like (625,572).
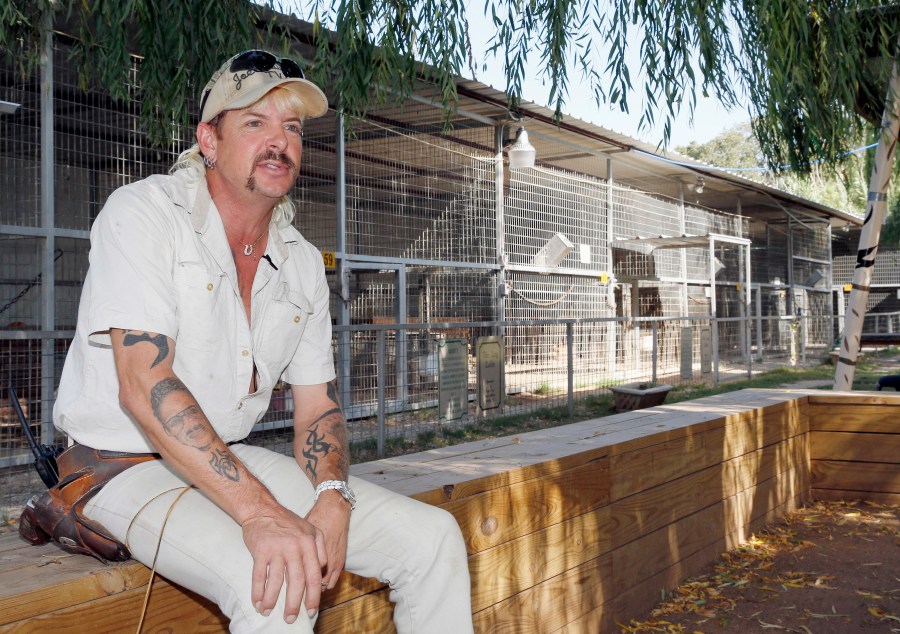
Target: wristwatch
(341,487)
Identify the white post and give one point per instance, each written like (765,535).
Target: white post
(876,207)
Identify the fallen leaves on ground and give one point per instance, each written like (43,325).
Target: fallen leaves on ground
(795,571)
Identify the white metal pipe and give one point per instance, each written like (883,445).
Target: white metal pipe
(48,222)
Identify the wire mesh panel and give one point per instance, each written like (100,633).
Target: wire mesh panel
(418,191)
(885,272)
(20,290)
(99,145)
(315,192)
(769,253)
(71,267)
(540,203)
(20,152)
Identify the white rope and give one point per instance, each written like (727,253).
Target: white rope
(543,304)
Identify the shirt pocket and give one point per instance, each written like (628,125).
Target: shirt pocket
(282,328)
(201,300)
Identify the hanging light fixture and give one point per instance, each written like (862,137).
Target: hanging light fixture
(521,153)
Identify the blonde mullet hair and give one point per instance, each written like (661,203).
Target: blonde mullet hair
(190,162)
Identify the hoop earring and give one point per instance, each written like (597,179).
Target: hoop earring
(209,163)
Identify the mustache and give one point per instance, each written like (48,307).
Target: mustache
(272,155)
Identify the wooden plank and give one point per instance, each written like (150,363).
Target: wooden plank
(646,511)
(519,565)
(818,397)
(861,477)
(472,475)
(637,601)
(697,417)
(171,609)
(39,579)
(849,417)
(551,604)
(855,447)
(437,477)
(644,557)
(656,464)
(369,614)
(836,495)
(50,583)
(498,516)
(517,612)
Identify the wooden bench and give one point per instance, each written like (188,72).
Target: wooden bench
(569,529)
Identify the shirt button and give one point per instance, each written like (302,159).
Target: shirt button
(297,319)
(245,353)
(209,287)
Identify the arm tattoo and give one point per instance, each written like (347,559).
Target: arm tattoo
(317,447)
(161,390)
(333,393)
(160,341)
(190,427)
(223,464)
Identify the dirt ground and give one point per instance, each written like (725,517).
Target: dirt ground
(829,568)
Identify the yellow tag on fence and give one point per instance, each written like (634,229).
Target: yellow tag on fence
(328,259)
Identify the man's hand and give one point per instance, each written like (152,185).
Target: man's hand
(289,550)
(331,514)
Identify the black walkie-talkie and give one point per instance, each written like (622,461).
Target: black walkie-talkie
(44,456)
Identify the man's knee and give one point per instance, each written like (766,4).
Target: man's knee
(444,535)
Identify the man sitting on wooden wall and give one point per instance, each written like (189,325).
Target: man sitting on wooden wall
(200,297)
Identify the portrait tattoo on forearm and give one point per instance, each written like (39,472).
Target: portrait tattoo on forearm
(161,390)
(160,341)
(223,464)
(191,428)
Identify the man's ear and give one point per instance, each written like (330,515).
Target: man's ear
(206,139)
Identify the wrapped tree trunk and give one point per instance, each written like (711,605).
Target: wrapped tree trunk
(876,208)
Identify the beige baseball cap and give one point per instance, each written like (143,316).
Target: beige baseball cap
(246,77)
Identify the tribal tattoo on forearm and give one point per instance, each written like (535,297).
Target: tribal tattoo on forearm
(190,427)
(160,341)
(330,423)
(223,464)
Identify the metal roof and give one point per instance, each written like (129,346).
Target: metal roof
(642,164)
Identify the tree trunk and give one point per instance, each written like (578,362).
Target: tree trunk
(876,208)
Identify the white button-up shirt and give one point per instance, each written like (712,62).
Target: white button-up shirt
(160,262)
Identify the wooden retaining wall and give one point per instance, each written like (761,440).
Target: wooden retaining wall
(570,529)
(855,445)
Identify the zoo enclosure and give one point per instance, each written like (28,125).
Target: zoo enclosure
(426,232)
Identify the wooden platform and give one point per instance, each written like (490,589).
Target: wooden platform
(568,529)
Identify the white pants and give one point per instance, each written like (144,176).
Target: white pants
(415,548)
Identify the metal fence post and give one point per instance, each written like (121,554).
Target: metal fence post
(803,331)
(48,223)
(715,349)
(379,382)
(570,339)
(759,325)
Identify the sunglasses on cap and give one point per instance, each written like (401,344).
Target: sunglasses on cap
(258,62)
(263,61)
